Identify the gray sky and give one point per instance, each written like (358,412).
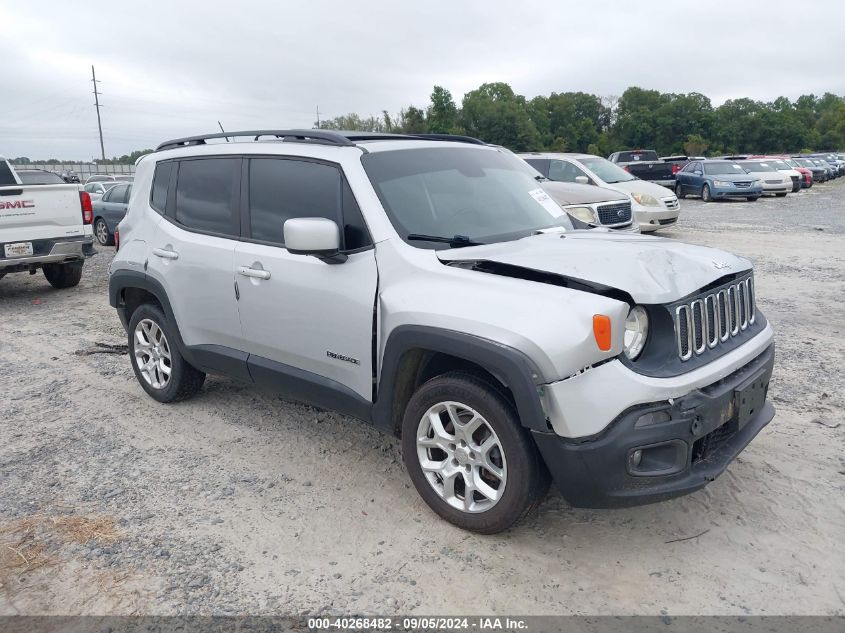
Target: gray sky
(173,68)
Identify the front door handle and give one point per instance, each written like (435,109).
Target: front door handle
(160,252)
(257,273)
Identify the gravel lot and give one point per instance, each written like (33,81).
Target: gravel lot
(238,502)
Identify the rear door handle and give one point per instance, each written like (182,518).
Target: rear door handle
(160,252)
(257,273)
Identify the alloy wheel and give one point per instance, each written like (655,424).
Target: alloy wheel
(102,232)
(152,354)
(461,457)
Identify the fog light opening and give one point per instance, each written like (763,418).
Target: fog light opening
(636,458)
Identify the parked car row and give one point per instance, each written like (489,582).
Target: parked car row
(653,206)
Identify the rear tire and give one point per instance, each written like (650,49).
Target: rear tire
(679,191)
(706,196)
(63,275)
(101,230)
(158,365)
(456,458)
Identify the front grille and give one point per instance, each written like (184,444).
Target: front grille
(668,221)
(743,184)
(671,203)
(774,182)
(711,319)
(615,213)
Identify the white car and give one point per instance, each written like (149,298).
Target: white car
(773,181)
(783,167)
(97,189)
(654,206)
(432,288)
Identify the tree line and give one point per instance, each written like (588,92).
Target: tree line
(581,122)
(126,159)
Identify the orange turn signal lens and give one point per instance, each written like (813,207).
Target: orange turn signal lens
(601,330)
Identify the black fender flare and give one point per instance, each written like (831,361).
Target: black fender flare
(508,364)
(121,279)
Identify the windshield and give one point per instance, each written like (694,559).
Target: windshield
(750,165)
(605,170)
(721,169)
(482,194)
(40,178)
(779,164)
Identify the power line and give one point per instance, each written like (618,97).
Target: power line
(97,106)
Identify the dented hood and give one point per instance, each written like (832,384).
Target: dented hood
(650,269)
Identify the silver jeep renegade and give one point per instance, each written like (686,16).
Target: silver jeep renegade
(428,285)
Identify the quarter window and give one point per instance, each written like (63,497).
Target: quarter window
(205,195)
(161,182)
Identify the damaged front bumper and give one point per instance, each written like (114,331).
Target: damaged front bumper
(659,450)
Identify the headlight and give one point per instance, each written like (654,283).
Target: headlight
(636,331)
(585,214)
(722,183)
(646,200)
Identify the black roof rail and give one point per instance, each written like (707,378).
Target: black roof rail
(457,138)
(323,137)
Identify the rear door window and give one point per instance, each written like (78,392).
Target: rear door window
(564,171)
(116,194)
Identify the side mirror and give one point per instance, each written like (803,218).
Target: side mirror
(698,172)
(319,237)
(582,180)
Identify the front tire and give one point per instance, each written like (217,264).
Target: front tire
(158,365)
(706,196)
(63,275)
(780,195)
(468,455)
(679,191)
(101,230)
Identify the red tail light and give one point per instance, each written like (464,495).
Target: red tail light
(626,168)
(87,209)
(116,240)
(675,168)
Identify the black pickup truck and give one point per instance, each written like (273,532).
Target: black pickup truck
(645,165)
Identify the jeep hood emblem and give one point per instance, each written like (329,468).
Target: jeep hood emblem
(720,265)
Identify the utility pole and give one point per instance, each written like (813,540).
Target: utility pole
(97,105)
(318,116)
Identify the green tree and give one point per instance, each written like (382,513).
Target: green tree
(442,114)
(494,113)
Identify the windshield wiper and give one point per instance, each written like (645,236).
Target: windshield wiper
(456,241)
(540,178)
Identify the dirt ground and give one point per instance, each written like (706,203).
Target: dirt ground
(237,502)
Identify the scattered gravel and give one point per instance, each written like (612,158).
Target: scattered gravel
(238,502)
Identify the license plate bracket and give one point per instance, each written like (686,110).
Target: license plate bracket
(18,249)
(750,397)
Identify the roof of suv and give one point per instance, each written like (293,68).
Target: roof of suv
(336,138)
(575,155)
